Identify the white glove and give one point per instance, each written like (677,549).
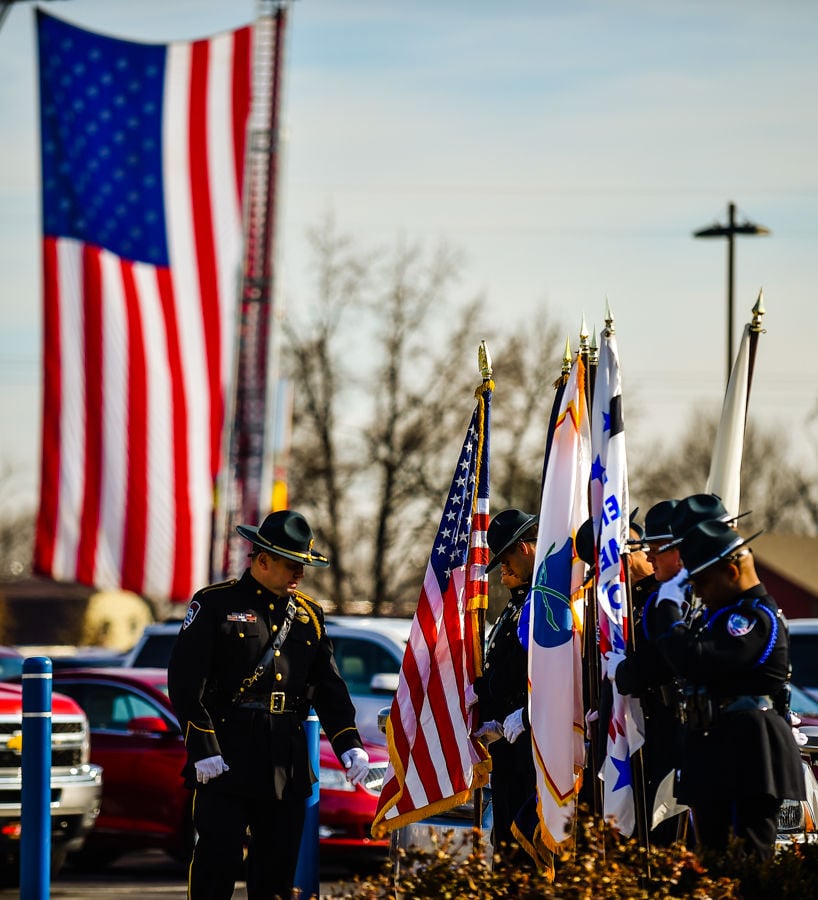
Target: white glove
(590,717)
(800,738)
(674,589)
(612,658)
(490,731)
(211,767)
(513,725)
(356,762)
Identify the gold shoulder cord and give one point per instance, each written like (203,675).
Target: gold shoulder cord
(306,603)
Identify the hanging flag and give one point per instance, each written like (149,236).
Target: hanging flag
(434,762)
(609,507)
(555,627)
(142,172)
(725,466)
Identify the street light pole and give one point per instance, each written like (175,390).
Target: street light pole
(729,230)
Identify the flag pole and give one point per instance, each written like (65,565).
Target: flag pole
(486,372)
(755,331)
(590,653)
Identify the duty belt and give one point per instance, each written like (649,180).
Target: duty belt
(745,702)
(277,703)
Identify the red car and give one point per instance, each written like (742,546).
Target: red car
(136,738)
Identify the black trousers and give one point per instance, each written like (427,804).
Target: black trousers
(513,781)
(222,814)
(752,818)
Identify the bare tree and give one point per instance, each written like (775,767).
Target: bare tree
(419,402)
(384,366)
(379,390)
(324,465)
(526,365)
(776,491)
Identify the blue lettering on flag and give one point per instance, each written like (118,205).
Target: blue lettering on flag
(608,555)
(612,507)
(613,592)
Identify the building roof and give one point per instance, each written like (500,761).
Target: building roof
(792,556)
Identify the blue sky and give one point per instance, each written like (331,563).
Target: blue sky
(569,148)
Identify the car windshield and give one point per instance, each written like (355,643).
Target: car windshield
(804,659)
(802,702)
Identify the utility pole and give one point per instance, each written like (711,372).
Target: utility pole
(729,230)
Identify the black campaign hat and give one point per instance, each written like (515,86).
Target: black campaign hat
(585,542)
(507,527)
(286,533)
(708,542)
(699,508)
(657,521)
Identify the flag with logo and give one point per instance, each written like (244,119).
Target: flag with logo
(556,620)
(142,154)
(609,507)
(434,762)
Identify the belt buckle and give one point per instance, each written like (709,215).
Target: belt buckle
(277,701)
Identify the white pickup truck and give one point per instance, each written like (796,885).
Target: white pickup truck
(76,785)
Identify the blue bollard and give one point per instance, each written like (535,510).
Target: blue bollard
(307,872)
(35,837)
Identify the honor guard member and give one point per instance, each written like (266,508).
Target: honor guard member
(658,602)
(503,688)
(699,508)
(739,759)
(251,658)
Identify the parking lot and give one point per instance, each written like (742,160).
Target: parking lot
(152,874)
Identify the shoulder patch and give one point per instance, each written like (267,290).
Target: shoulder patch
(192,612)
(739,625)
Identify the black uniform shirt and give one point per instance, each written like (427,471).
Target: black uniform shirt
(503,687)
(223,637)
(740,649)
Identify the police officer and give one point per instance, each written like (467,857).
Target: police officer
(251,658)
(658,603)
(503,688)
(740,759)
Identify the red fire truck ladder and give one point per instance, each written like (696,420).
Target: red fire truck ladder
(245,492)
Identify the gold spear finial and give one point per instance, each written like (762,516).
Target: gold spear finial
(484,361)
(583,336)
(566,357)
(758,312)
(609,325)
(593,351)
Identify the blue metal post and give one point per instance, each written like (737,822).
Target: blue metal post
(35,838)
(307,873)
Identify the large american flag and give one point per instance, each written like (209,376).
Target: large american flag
(142,174)
(434,762)
(609,505)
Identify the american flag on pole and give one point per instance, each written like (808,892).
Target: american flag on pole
(556,620)
(609,506)
(434,762)
(142,174)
